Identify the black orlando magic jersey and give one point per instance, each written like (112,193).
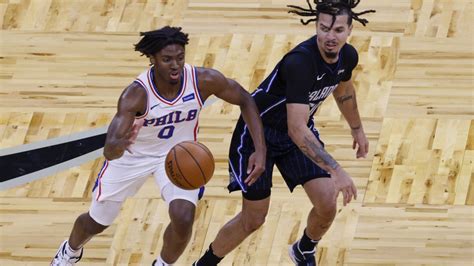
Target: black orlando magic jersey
(302,76)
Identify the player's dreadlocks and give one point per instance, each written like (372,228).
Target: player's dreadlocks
(153,41)
(331,7)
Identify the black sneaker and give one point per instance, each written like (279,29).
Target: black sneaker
(301,258)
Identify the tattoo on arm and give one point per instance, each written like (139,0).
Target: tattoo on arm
(318,154)
(346,97)
(343,98)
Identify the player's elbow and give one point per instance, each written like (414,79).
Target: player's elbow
(246,100)
(110,154)
(295,133)
(299,135)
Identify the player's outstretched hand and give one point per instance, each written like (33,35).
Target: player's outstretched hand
(256,166)
(361,142)
(345,185)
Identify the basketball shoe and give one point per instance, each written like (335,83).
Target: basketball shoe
(63,259)
(301,258)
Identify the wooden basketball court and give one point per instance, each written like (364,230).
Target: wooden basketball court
(65,62)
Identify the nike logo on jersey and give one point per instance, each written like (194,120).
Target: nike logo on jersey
(320,77)
(340,71)
(156,105)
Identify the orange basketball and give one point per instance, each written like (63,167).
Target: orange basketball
(189,165)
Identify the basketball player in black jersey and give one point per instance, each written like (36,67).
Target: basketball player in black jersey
(287,100)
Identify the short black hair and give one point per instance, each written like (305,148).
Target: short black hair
(153,41)
(331,7)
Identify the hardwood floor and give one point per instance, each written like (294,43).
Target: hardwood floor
(65,63)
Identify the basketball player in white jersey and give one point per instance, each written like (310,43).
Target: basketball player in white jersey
(158,110)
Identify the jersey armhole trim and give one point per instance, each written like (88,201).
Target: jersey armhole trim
(139,82)
(196,87)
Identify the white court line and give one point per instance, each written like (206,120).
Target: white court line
(53,141)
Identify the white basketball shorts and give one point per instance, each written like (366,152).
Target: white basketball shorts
(122,178)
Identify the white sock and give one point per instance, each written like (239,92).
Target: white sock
(72,252)
(161,262)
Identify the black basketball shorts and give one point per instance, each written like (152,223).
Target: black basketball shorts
(294,166)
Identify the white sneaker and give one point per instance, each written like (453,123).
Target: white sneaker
(63,259)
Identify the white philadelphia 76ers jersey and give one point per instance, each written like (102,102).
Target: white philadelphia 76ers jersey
(167,121)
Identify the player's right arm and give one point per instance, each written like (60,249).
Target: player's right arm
(304,138)
(122,131)
(298,71)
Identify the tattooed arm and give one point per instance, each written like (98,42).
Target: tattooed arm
(345,97)
(304,138)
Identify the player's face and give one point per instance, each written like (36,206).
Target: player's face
(169,63)
(331,40)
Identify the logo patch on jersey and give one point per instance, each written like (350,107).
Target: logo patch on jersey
(340,71)
(188,97)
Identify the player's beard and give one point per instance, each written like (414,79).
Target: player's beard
(330,51)
(330,55)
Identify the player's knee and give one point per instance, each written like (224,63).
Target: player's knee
(327,210)
(89,225)
(184,221)
(182,218)
(183,226)
(252,222)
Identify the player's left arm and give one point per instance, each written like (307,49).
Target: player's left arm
(345,96)
(213,82)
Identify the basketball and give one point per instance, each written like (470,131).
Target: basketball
(189,165)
